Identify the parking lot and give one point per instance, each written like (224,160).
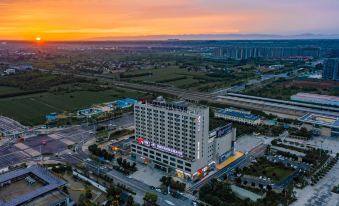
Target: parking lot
(327,143)
(288,162)
(35,145)
(10,127)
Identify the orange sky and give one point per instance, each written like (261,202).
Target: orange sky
(87,19)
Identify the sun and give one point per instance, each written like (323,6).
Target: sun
(38,38)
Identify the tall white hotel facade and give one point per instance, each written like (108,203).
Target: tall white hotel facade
(176,137)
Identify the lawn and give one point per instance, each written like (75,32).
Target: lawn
(31,109)
(268,169)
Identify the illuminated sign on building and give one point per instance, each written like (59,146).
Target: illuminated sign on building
(160,147)
(224,130)
(169,106)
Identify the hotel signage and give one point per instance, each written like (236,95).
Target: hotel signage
(160,147)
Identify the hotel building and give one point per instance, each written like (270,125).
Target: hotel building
(175,137)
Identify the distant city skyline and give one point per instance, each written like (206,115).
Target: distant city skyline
(147,19)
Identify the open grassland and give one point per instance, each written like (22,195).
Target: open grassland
(31,109)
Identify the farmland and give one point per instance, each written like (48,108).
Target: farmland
(31,109)
(185,78)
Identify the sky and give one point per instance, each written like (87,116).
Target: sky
(91,19)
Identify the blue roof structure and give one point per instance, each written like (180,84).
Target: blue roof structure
(238,114)
(52,116)
(127,102)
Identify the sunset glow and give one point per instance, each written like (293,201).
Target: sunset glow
(91,19)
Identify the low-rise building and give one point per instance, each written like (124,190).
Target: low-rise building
(9,71)
(238,116)
(316,99)
(32,186)
(124,103)
(324,125)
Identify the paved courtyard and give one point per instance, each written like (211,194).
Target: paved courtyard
(247,142)
(148,175)
(320,194)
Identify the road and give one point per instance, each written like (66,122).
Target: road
(141,188)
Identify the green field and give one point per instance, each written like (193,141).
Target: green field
(31,109)
(8,90)
(185,79)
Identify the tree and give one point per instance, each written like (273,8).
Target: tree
(119,161)
(82,199)
(129,201)
(124,163)
(166,180)
(113,194)
(88,193)
(150,199)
